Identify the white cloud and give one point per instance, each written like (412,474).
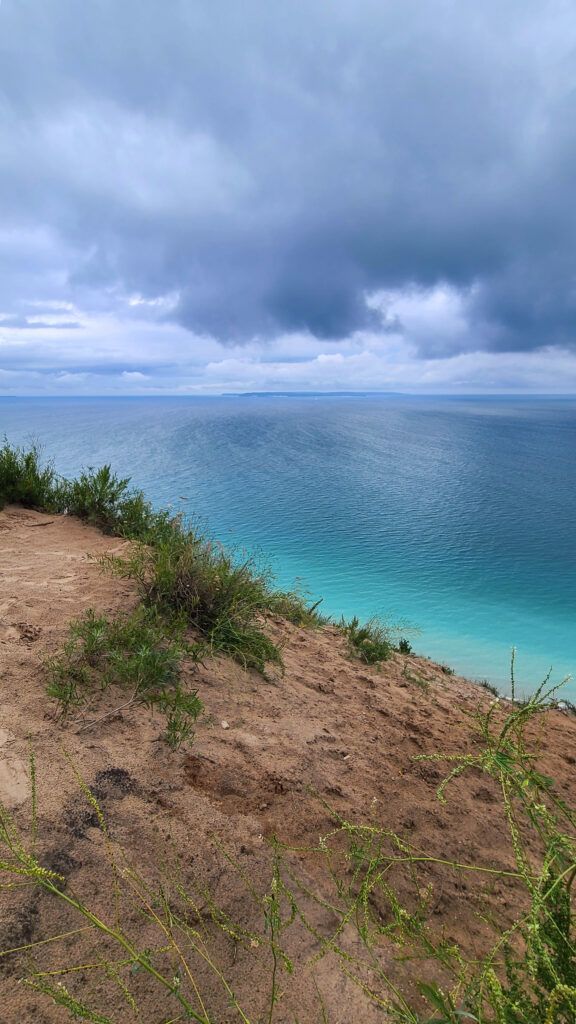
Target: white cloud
(114,354)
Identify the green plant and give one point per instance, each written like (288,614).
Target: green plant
(25,481)
(96,495)
(139,654)
(404,646)
(530,974)
(223,597)
(104,499)
(369,641)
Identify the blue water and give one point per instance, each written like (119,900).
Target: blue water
(456,514)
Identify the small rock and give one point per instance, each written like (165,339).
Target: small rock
(225,725)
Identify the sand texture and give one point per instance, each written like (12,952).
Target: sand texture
(329,724)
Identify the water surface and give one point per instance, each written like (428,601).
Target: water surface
(456,514)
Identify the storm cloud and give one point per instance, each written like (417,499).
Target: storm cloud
(322,169)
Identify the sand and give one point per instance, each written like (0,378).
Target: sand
(328,725)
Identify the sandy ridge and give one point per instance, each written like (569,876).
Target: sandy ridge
(329,724)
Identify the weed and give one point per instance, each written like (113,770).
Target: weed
(223,597)
(404,646)
(369,641)
(96,495)
(139,654)
(530,975)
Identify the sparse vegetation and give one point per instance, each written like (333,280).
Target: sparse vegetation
(137,655)
(418,681)
(527,977)
(223,597)
(375,640)
(369,641)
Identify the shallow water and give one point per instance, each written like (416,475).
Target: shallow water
(456,514)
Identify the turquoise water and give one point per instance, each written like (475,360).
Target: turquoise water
(456,514)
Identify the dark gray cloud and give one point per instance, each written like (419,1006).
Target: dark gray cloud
(269,165)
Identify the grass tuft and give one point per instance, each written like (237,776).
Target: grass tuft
(139,655)
(369,641)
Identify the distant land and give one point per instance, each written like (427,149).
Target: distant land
(312,394)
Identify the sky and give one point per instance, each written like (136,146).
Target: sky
(203,197)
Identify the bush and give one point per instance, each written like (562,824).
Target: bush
(96,496)
(223,598)
(24,481)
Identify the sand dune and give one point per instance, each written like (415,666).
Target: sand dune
(329,724)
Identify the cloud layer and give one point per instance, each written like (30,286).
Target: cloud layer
(331,194)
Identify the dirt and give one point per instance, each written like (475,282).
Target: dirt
(272,757)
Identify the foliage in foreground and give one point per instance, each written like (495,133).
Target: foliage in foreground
(527,977)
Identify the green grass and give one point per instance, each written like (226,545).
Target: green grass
(225,598)
(138,655)
(487,685)
(369,641)
(373,641)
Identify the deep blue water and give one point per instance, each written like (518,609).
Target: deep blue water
(456,514)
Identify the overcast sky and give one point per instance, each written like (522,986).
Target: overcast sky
(201,196)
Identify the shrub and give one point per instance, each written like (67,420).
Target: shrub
(103,498)
(487,685)
(23,479)
(222,597)
(96,496)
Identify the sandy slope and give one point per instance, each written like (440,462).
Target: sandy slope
(329,724)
